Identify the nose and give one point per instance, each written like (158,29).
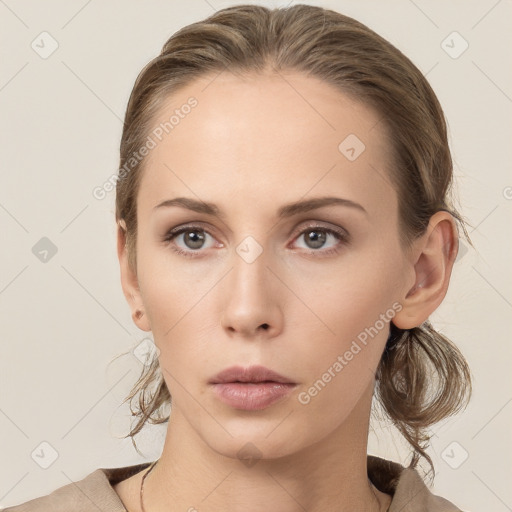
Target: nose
(251,299)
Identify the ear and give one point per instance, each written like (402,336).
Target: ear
(129,281)
(432,258)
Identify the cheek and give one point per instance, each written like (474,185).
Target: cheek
(172,289)
(180,308)
(355,306)
(353,299)
(339,368)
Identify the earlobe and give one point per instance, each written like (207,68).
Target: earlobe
(141,320)
(434,258)
(129,281)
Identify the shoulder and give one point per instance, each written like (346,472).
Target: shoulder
(406,487)
(94,492)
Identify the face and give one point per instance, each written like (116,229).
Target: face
(307,292)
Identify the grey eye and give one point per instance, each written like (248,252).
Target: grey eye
(315,237)
(193,238)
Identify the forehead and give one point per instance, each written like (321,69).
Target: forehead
(262,136)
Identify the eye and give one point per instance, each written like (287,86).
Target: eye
(316,236)
(193,239)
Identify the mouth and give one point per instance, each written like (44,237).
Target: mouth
(253,388)
(252,374)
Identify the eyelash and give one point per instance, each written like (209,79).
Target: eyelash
(341,235)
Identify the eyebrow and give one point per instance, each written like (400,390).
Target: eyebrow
(285,211)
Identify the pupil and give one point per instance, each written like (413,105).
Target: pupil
(317,238)
(195,239)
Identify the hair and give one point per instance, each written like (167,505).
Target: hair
(422,376)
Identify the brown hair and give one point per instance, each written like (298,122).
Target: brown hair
(422,377)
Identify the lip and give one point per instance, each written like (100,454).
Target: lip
(252,374)
(251,389)
(252,396)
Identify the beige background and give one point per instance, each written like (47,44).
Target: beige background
(63,322)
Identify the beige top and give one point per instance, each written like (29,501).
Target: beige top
(95,492)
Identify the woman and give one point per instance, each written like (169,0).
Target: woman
(284,231)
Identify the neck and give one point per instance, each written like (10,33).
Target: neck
(328,475)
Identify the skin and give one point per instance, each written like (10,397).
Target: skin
(251,145)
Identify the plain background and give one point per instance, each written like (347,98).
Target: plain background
(64,321)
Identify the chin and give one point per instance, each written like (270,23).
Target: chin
(251,443)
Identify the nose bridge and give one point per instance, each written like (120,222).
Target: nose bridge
(251,298)
(250,275)
(250,255)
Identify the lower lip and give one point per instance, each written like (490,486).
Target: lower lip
(252,396)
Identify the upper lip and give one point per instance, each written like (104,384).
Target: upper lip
(250,374)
